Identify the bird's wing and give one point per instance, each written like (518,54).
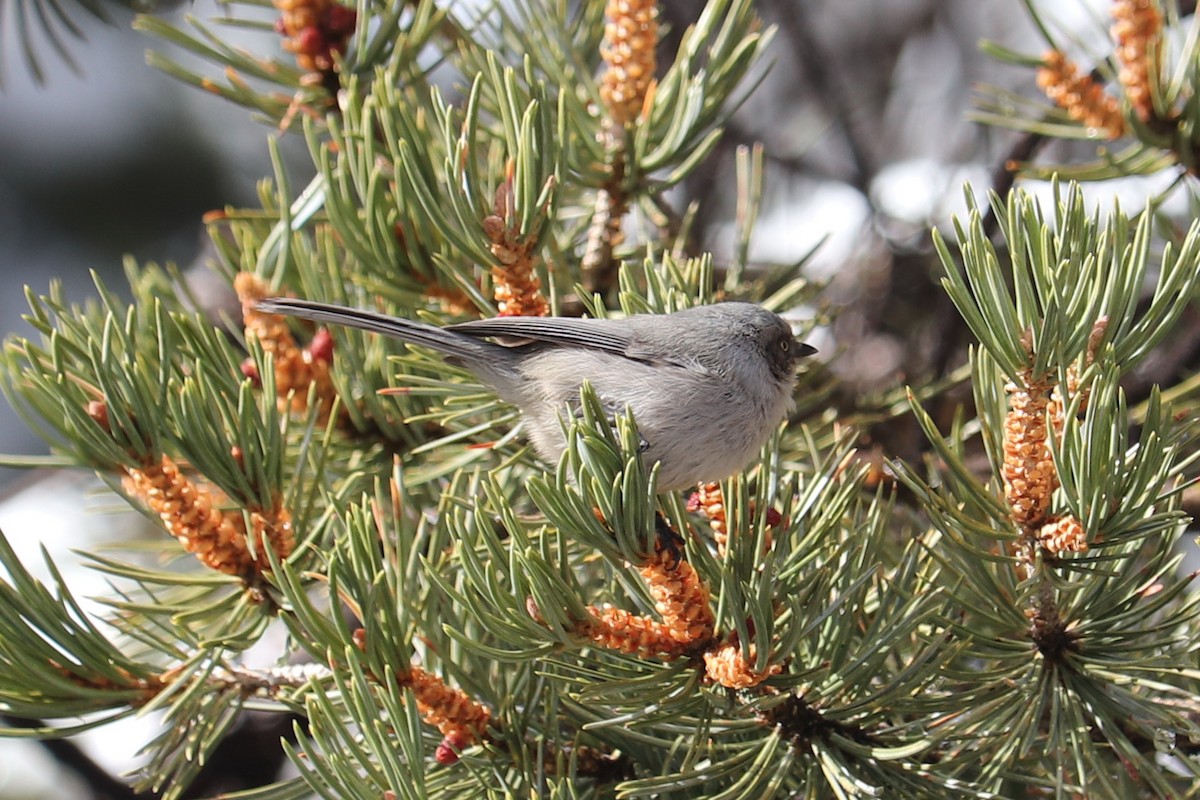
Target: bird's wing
(592,333)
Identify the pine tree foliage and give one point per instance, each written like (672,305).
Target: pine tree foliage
(1135,102)
(465,620)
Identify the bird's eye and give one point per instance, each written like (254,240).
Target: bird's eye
(783,345)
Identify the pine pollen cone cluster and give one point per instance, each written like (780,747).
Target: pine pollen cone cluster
(1137,31)
(680,598)
(1037,408)
(190,511)
(687,625)
(727,666)
(1063,534)
(1137,35)
(518,290)
(1029,474)
(630,38)
(459,719)
(1080,96)
(709,500)
(315,31)
(296,368)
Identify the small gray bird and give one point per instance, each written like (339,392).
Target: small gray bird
(707,385)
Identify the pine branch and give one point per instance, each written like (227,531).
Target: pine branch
(1081,602)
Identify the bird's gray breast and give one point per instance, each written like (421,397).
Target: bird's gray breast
(698,424)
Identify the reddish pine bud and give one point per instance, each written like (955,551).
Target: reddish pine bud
(280,27)
(773,517)
(445,754)
(250,370)
(339,21)
(98,411)
(448,751)
(321,346)
(310,41)
(693,501)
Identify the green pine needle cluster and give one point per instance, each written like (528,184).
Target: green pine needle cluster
(912,638)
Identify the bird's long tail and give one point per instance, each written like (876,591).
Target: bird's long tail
(452,344)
